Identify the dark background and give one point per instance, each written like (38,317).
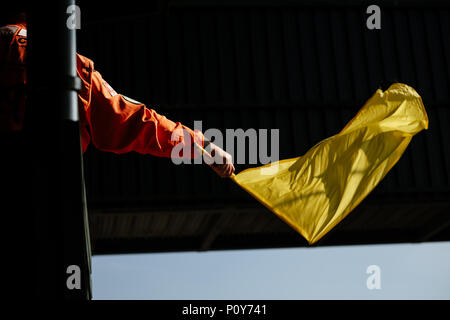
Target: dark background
(300,66)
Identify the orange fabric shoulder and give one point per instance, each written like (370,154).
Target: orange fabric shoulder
(85,68)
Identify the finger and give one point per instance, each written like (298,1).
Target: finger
(219,170)
(225,171)
(228,171)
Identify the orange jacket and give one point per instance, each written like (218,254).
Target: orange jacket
(12,77)
(111,121)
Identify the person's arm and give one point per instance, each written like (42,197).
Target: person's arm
(119,124)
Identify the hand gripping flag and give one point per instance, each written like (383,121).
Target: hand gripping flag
(313,193)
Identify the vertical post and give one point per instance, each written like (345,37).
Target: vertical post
(59,206)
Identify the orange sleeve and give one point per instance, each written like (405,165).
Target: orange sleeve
(118,124)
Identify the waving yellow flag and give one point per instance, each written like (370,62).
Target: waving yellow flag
(315,192)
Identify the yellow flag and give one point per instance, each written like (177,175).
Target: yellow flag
(313,193)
